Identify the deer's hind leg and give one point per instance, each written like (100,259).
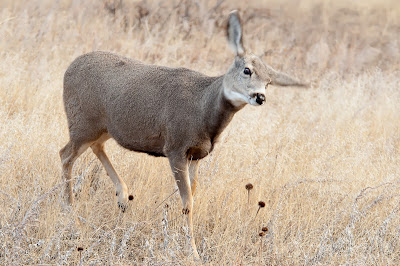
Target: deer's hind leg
(68,155)
(122,189)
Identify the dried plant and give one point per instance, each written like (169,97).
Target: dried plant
(261,204)
(80,249)
(261,234)
(300,149)
(249,187)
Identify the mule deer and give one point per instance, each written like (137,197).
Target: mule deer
(176,113)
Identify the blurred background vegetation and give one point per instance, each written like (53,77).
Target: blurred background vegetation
(325,160)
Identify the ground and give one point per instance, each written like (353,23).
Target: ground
(325,160)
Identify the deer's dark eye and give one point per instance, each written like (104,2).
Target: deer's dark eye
(247,71)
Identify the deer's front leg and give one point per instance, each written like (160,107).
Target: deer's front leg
(193,172)
(179,167)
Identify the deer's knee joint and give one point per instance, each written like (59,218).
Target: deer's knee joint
(66,163)
(97,148)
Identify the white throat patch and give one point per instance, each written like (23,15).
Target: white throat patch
(236,98)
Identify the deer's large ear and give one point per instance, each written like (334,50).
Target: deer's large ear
(282,79)
(234,33)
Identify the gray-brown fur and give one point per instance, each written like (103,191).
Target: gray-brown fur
(168,112)
(173,112)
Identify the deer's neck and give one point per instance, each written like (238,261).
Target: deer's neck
(218,110)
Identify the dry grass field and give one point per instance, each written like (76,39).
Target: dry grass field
(325,160)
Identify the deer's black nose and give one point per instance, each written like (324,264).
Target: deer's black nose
(260,98)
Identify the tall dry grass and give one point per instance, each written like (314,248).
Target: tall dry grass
(325,160)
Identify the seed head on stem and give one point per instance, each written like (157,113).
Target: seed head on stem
(249,187)
(261,204)
(261,234)
(80,249)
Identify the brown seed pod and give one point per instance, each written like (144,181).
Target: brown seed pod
(264,229)
(261,234)
(261,204)
(249,186)
(130,197)
(80,249)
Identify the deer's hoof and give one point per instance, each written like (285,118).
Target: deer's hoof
(123,206)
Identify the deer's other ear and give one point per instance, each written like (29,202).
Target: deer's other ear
(234,33)
(282,79)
